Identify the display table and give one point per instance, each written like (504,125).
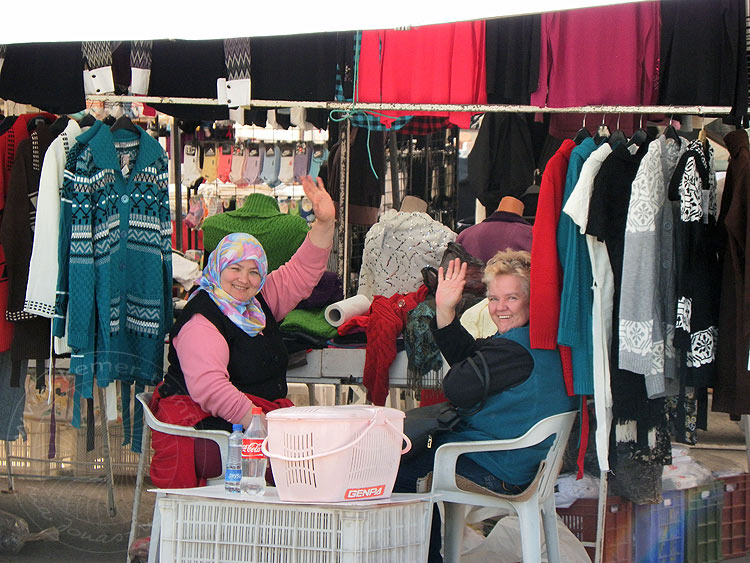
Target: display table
(208,524)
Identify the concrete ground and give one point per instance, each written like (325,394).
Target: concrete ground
(87,532)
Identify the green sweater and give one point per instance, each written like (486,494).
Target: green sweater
(280,234)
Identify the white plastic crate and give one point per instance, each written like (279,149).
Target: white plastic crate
(211,530)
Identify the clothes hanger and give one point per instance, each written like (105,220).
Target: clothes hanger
(124,122)
(671,133)
(602,132)
(583,133)
(87,120)
(639,136)
(702,133)
(59,125)
(618,137)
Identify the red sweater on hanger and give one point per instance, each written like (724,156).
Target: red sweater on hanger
(433,64)
(546,270)
(8,143)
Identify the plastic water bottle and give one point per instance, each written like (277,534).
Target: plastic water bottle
(253,460)
(233,472)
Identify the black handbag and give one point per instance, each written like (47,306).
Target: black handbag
(423,425)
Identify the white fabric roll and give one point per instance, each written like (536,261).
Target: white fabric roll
(340,312)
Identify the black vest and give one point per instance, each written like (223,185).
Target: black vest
(257,365)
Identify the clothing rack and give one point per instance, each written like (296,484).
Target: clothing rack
(343,246)
(474,108)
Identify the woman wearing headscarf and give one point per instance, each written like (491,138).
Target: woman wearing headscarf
(226,354)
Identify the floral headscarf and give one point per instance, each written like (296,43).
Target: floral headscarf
(233,248)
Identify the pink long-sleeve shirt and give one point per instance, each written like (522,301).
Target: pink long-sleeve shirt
(204,353)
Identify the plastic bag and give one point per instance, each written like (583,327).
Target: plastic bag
(14,533)
(503,545)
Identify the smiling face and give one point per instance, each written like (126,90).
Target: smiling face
(241,280)
(508,302)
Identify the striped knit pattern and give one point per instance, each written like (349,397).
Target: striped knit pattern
(237,58)
(96,54)
(140,54)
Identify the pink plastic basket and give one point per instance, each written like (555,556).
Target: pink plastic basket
(337,453)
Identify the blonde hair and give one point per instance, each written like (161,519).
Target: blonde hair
(509,263)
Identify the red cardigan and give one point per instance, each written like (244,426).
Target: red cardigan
(546,270)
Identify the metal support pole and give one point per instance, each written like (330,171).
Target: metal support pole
(139,485)
(343,232)
(393,150)
(107,454)
(601,517)
(177,167)
(8,465)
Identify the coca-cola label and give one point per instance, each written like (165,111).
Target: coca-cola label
(251,448)
(364,492)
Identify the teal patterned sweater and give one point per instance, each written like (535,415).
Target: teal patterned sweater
(115,282)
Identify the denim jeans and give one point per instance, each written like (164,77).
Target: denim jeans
(419,466)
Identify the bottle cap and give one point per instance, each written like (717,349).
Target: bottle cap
(257,410)
(236,427)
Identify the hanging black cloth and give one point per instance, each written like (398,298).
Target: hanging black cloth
(502,162)
(188,69)
(703,59)
(512,48)
(45,75)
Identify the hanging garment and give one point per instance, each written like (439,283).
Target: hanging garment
(191,169)
(349,51)
(693,186)
(120,224)
(253,164)
(280,234)
(501,162)
(286,163)
(140,66)
(224,165)
(9,142)
(646,320)
(512,45)
(46,75)
(703,57)
(576,299)
(366,175)
(210,166)
(43,266)
(239,153)
(31,333)
(580,72)
(280,73)
(189,69)
(445,64)
(577,208)
(271,165)
(396,249)
(640,423)
(546,277)
(301,166)
(732,385)
(12,401)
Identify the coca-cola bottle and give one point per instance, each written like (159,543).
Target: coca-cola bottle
(253,461)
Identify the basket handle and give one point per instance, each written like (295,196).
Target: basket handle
(264,445)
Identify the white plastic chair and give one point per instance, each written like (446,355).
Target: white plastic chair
(219,436)
(459,494)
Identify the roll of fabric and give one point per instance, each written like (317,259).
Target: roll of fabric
(340,312)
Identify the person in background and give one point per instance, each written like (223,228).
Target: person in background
(226,353)
(526,385)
